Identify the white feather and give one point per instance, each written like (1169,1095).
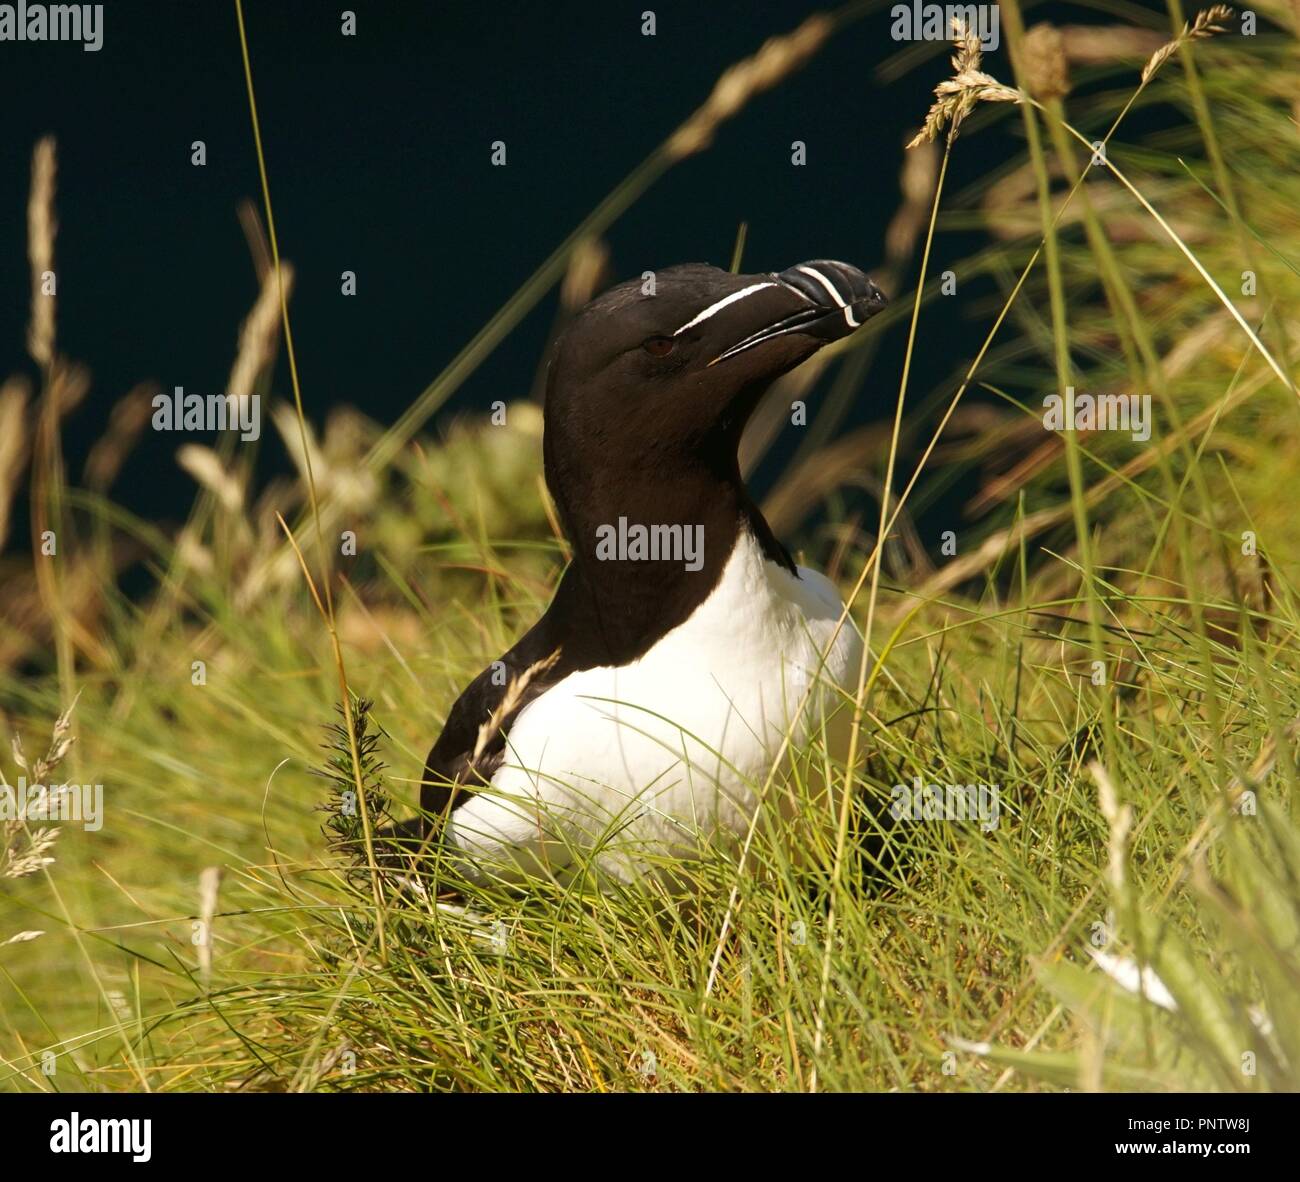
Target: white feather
(662,757)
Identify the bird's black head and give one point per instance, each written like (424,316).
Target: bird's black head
(679,358)
(667,369)
(651,385)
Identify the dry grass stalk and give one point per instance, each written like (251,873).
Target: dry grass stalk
(25,622)
(1047,73)
(832,466)
(776,60)
(1206,24)
(301,444)
(956,97)
(21,938)
(1119,821)
(773,413)
(14,445)
(41,230)
(916,180)
(250,221)
(26,850)
(588,270)
(997,544)
(259,335)
(125,425)
(1092,45)
(209,881)
(192,554)
(206,467)
(68,385)
(26,853)
(509,700)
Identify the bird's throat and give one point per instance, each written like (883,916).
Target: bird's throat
(647,553)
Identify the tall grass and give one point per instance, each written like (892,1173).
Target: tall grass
(1113,647)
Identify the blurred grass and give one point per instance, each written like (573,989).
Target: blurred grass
(959,959)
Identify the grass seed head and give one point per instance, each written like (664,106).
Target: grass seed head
(1047,74)
(956,97)
(1208,23)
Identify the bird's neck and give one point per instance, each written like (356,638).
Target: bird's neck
(650,540)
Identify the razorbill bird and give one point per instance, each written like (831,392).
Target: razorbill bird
(636,723)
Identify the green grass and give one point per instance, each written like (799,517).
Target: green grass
(940,956)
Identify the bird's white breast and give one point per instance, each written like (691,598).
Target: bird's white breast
(625,767)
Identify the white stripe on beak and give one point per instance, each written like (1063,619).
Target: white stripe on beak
(835,295)
(712,309)
(826,283)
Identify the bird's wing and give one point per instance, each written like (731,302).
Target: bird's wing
(473,741)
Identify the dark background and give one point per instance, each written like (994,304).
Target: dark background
(378,152)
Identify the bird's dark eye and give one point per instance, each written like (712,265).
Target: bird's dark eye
(659,346)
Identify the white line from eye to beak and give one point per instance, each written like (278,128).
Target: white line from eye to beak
(722,303)
(835,295)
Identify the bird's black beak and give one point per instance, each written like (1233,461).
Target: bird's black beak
(832,299)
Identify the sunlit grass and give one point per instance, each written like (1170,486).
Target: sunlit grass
(1133,700)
